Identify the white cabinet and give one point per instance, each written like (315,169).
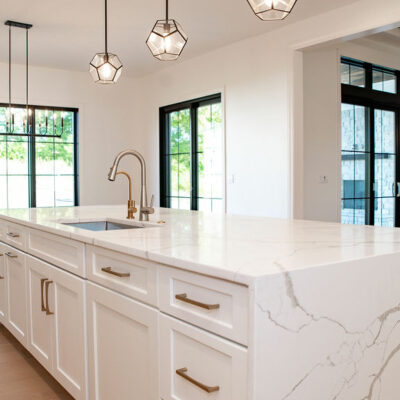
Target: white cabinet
(197,365)
(3,286)
(39,323)
(16,320)
(123,347)
(57,335)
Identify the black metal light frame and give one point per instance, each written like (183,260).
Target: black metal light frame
(286,13)
(106,54)
(10,124)
(176,28)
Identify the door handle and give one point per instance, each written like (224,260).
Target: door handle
(42,281)
(398,189)
(209,389)
(108,270)
(11,255)
(47,284)
(183,297)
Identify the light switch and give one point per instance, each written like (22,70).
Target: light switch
(323,179)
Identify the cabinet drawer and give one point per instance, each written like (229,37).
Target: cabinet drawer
(65,253)
(129,275)
(213,304)
(196,365)
(15,235)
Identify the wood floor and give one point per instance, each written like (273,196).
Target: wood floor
(21,376)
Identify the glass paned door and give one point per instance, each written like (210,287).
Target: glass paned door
(385,184)
(356,157)
(370,180)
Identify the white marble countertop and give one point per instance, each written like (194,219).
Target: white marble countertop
(236,248)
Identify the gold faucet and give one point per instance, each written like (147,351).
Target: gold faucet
(131,203)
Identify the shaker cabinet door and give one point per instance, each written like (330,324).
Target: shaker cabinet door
(123,347)
(16,294)
(3,285)
(39,323)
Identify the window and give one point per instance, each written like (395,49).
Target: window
(192,155)
(370,147)
(39,171)
(384,80)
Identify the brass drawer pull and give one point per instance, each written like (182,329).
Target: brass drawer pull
(13,235)
(42,281)
(1,277)
(209,389)
(108,270)
(183,297)
(11,255)
(47,284)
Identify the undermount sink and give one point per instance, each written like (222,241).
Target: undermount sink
(102,225)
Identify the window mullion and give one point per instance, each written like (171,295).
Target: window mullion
(194,158)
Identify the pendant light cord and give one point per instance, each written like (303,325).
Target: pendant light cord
(105,8)
(9,71)
(27,80)
(166,11)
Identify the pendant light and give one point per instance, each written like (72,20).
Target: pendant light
(167,39)
(272,10)
(19,122)
(105,67)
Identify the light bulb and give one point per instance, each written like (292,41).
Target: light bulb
(167,42)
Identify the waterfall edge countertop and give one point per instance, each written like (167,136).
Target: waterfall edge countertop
(318,317)
(232,247)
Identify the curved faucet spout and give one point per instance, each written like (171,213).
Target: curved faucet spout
(144,214)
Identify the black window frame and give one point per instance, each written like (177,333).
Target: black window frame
(192,105)
(374,99)
(31,149)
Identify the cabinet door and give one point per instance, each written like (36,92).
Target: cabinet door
(66,293)
(16,293)
(39,323)
(3,286)
(123,347)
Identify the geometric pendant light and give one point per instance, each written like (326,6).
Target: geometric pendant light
(272,10)
(167,39)
(105,67)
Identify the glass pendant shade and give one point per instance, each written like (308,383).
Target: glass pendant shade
(272,10)
(105,68)
(167,40)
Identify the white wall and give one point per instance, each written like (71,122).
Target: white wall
(106,124)
(322,130)
(259,80)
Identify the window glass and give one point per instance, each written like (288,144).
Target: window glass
(193,166)
(384,81)
(52,159)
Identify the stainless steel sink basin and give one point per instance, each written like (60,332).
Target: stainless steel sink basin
(102,225)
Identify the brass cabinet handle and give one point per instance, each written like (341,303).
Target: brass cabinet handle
(108,270)
(47,284)
(183,297)
(42,281)
(1,254)
(11,255)
(209,389)
(13,235)
(1,277)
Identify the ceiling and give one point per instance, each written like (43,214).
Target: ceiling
(382,40)
(66,34)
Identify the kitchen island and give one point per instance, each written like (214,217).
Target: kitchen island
(192,306)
